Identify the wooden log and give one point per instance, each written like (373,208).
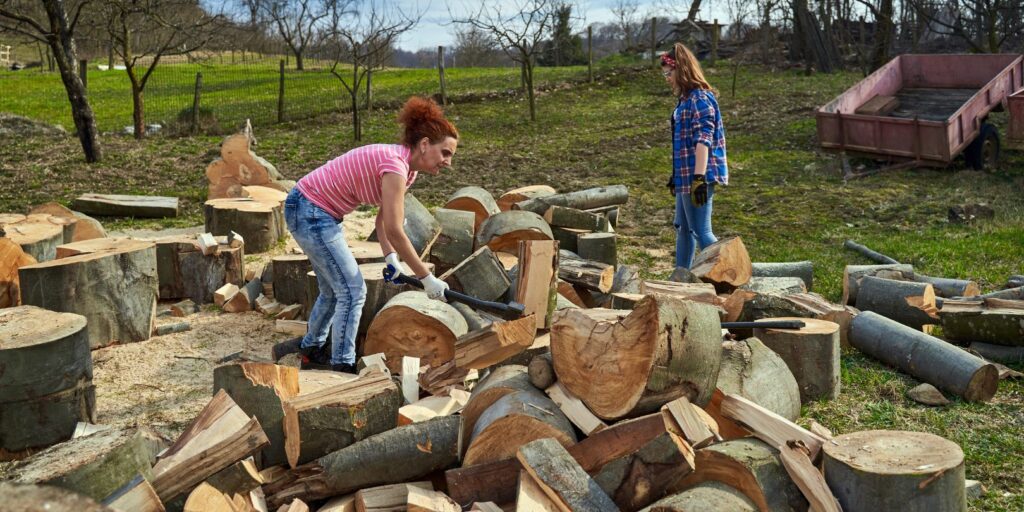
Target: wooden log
(541,371)
(345,503)
(558,216)
(624,300)
(260,389)
(220,435)
(240,477)
(575,410)
(817,307)
(998,353)
(477,350)
(934,361)
(811,353)
(290,278)
(710,495)
(476,200)
(410,373)
(411,324)
(567,238)
(512,421)
(800,269)
(36,234)
(504,380)
(755,372)
(46,498)
(592,275)
(481,276)
(12,257)
(245,298)
(530,496)
(807,478)
(111,205)
(1013,293)
(114,290)
(598,247)
(775,285)
(691,424)
(947,287)
(727,428)
(423,500)
(95,465)
(580,200)
(852,274)
(136,495)
(703,292)
(646,473)
(237,167)
(893,470)
(206,498)
(455,243)
(502,232)
(561,478)
(431,407)
(474,321)
(184,272)
(420,226)
(398,455)
(387,498)
(724,263)
(30,424)
(869,254)
(516,195)
(911,304)
(878,105)
(753,468)
(768,426)
(260,224)
(661,361)
(165,329)
(994,322)
(329,419)
(378,291)
(365,251)
(536,288)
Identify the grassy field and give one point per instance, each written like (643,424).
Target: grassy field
(786,200)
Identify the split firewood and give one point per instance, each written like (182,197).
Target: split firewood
(476,200)
(703,292)
(815,306)
(503,231)
(503,381)
(298,505)
(206,498)
(508,260)
(455,243)
(411,324)
(811,353)
(259,389)
(290,278)
(768,426)
(709,495)
(38,235)
(374,361)
(235,241)
(135,496)
(222,294)
(561,478)
(755,372)
(498,341)
(936,362)
(692,426)
(481,276)
(567,291)
(116,290)
(268,306)
(996,321)
(807,477)
(112,205)
(852,275)
(237,167)
(600,247)
(429,408)
(438,380)
(530,496)
(636,479)
(775,285)
(345,503)
(893,470)
(581,337)
(580,200)
(562,217)
(592,275)
(567,238)
(410,379)
(804,270)
(388,497)
(724,264)
(12,257)
(207,243)
(536,285)
(425,500)
(575,410)
(238,478)
(516,195)
(245,298)
(289,312)
(512,421)
(542,371)
(29,497)
(909,303)
(84,226)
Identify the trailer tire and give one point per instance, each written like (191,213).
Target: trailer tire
(983,151)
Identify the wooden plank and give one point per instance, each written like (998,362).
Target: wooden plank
(495,343)
(530,496)
(537,284)
(292,327)
(807,478)
(387,498)
(425,500)
(575,409)
(561,478)
(115,205)
(410,378)
(430,407)
(878,106)
(768,426)
(695,430)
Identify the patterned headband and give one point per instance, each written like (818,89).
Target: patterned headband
(667,60)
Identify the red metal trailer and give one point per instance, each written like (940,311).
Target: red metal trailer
(941,106)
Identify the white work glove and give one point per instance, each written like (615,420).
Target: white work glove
(394,266)
(434,287)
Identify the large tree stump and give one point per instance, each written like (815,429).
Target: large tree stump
(724,263)
(755,372)
(113,205)
(115,290)
(481,275)
(752,467)
(513,421)
(852,274)
(909,303)
(413,325)
(811,353)
(46,498)
(994,321)
(260,224)
(504,380)
(516,195)
(38,234)
(580,200)
(46,382)
(623,363)
(455,243)
(260,389)
(290,279)
(237,167)
(710,495)
(476,200)
(876,470)
(800,269)
(503,231)
(12,257)
(184,272)
(924,357)
(94,465)
(62,216)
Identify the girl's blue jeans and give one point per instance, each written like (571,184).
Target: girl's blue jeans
(693,227)
(342,290)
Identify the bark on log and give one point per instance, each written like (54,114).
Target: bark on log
(516,195)
(12,257)
(420,226)
(558,216)
(562,479)
(476,200)
(817,307)
(240,477)
(775,285)
(114,290)
(638,479)
(801,269)
(290,278)
(481,276)
(541,371)
(580,200)
(891,470)
(237,167)
(755,372)
(111,205)
(998,353)
(36,234)
(724,263)
(260,389)
(966,321)
(260,224)
(710,495)
(502,232)
(811,353)
(94,465)
(378,292)
(511,422)
(852,274)
(753,468)
(911,304)
(703,292)
(934,361)
(137,495)
(536,286)
(504,380)
(184,272)
(877,257)
(624,364)
(947,287)
(592,275)
(413,325)
(455,243)
(46,498)
(1015,293)
(474,321)
(598,247)
(401,454)
(37,422)
(567,238)
(477,350)
(334,417)
(245,298)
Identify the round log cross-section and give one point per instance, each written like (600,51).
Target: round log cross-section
(504,231)
(476,200)
(411,324)
(260,224)
(811,353)
(513,421)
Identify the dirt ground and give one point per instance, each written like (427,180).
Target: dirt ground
(165,381)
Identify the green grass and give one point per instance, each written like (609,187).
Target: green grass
(786,200)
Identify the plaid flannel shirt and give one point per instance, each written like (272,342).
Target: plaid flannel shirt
(697,120)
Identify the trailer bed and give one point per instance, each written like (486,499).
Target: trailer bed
(930,103)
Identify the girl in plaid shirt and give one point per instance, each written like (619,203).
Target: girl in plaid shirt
(698,152)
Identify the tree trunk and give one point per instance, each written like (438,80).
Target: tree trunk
(260,224)
(673,350)
(894,470)
(260,389)
(801,269)
(11,259)
(911,304)
(513,421)
(811,353)
(481,275)
(989,322)
(476,200)
(529,89)
(37,235)
(883,34)
(755,372)
(298,59)
(710,495)
(413,325)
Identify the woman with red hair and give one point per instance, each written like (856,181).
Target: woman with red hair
(377,175)
(698,152)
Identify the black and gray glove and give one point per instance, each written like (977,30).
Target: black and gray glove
(699,191)
(671,185)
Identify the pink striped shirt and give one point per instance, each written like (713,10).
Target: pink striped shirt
(353,179)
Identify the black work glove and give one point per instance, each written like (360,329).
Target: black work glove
(671,185)
(699,191)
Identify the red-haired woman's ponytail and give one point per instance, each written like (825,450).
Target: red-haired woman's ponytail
(422,117)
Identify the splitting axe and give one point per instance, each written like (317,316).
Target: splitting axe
(510,311)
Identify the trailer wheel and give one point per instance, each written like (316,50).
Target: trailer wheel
(983,152)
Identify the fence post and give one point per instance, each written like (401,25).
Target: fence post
(714,42)
(654,41)
(280,93)
(83,73)
(369,90)
(195,102)
(590,53)
(440,70)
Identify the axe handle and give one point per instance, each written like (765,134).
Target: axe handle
(500,308)
(778,324)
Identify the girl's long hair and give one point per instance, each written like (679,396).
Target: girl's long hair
(687,74)
(422,117)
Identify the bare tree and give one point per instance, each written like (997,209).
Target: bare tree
(474,47)
(518,26)
(297,21)
(363,37)
(884,31)
(48,23)
(629,21)
(984,25)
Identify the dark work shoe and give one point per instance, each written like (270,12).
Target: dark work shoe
(344,368)
(286,347)
(316,358)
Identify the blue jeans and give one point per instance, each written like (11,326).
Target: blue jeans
(693,226)
(342,290)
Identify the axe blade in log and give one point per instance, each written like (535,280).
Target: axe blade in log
(510,311)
